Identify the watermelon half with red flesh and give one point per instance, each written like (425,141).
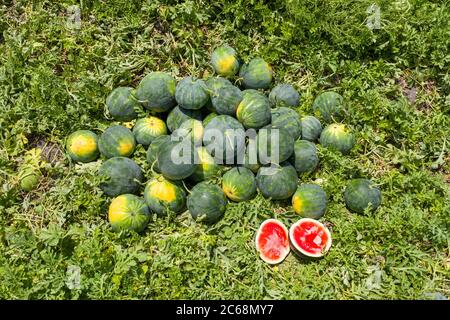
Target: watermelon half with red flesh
(272,241)
(309,237)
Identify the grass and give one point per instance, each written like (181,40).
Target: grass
(54,79)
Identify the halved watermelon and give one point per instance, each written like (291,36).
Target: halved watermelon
(309,237)
(272,241)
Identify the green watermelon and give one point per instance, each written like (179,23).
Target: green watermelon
(284,95)
(277,182)
(225,61)
(179,115)
(117,141)
(122,104)
(330,105)
(162,195)
(361,194)
(310,201)
(257,74)
(207,202)
(206,168)
(191,129)
(275,145)
(147,129)
(311,128)
(82,146)
(120,175)
(239,184)
(29,178)
(338,137)
(156,92)
(208,118)
(226,100)
(153,150)
(254,110)
(230,138)
(287,119)
(128,212)
(191,93)
(304,158)
(176,160)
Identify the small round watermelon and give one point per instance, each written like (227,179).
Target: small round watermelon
(122,104)
(82,146)
(176,160)
(191,93)
(239,184)
(162,195)
(147,129)
(304,158)
(338,137)
(277,182)
(224,138)
(117,141)
(120,175)
(153,150)
(128,212)
(311,128)
(288,119)
(29,178)
(309,238)
(207,202)
(275,145)
(310,201)
(257,74)
(226,100)
(329,105)
(254,110)
(179,115)
(361,194)
(206,168)
(156,92)
(272,241)
(225,61)
(284,95)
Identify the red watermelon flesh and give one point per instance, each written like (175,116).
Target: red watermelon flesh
(310,237)
(272,241)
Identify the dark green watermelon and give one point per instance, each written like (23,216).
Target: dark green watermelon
(361,194)
(117,141)
(257,74)
(120,175)
(330,105)
(156,92)
(207,202)
(226,100)
(288,119)
(310,201)
(254,110)
(191,93)
(304,157)
(284,95)
(208,118)
(176,160)
(239,184)
(311,128)
(275,145)
(230,139)
(122,104)
(277,182)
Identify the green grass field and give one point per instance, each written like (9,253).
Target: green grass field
(55,75)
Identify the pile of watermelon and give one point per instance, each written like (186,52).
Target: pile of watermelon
(193,167)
